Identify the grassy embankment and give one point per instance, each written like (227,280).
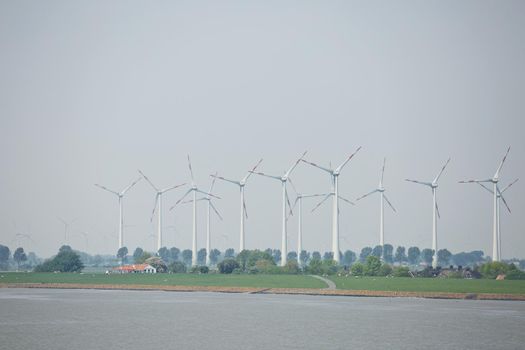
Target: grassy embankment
(256,281)
(448,285)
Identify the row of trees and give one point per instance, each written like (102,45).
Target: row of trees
(19,258)
(413,256)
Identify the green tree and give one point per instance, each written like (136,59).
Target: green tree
(357,269)
(365,252)
(444,257)
(177,267)
(187,256)
(377,251)
(388,253)
(164,253)
(413,255)
(65,248)
(242,259)
(19,256)
(401,271)
(201,256)
(214,256)
(137,254)
(145,256)
(228,265)
(121,254)
(372,265)
(315,267)
(276,254)
(174,254)
(328,256)
(316,256)
(493,269)
(64,261)
(229,253)
(4,257)
(385,270)
(426,256)
(400,256)
(349,257)
(304,257)
(292,256)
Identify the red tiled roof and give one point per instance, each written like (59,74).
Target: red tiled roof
(137,267)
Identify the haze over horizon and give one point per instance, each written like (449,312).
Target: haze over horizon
(92,91)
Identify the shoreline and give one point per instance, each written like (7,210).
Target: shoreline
(290,291)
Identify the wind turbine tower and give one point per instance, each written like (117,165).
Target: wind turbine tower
(435,210)
(120,196)
(496,250)
(334,175)
(383,198)
(241,183)
(284,179)
(158,202)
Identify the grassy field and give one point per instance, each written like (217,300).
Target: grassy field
(257,281)
(430,285)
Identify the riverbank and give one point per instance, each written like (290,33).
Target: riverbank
(252,290)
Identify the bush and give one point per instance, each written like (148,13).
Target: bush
(357,269)
(200,269)
(177,267)
(291,267)
(315,267)
(401,271)
(493,269)
(385,270)
(515,275)
(372,266)
(266,266)
(228,265)
(64,261)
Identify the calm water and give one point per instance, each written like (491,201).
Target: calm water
(84,319)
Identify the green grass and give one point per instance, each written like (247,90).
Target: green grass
(257,281)
(430,285)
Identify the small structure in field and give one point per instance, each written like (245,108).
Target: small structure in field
(136,268)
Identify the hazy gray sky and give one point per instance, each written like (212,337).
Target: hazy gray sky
(92,91)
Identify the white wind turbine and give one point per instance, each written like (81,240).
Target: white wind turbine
(67,225)
(383,198)
(193,189)
(284,179)
(120,196)
(435,210)
(208,219)
(241,183)
(496,193)
(158,201)
(299,202)
(334,175)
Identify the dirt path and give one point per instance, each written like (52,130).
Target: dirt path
(329,283)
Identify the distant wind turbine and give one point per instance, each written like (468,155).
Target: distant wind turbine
(383,198)
(193,189)
(496,250)
(284,179)
(334,175)
(120,196)
(435,210)
(158,202)
(241,183)
(67,225)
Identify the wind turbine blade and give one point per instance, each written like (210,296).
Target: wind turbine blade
(295,164)
(383,170)
(181,199)
(501,164)
(172,188)
(322,201)
(503,199)
(191,170)
(390,204)
(474,180)
(227,180)
(270,176)
(366,195)
(485,187)
(340,167)
(437,210)
(154,207)
(208,194)
(293,186)
(314,195)
(288,201)
(148,180)
(213,182)
(250,172)
(441,172)
(215,210)
(346,200)
(245,211)
(106,189)
(507,187)
(127,188)
(420,182)
(317,166)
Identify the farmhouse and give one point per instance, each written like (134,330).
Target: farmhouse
(136,268)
